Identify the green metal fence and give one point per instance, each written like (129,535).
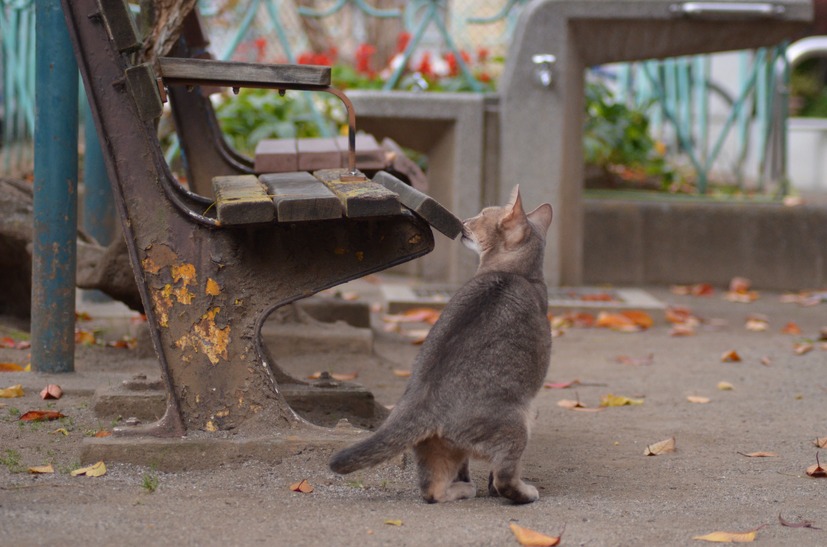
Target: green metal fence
(17,85)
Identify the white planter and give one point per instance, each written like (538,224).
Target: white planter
(807,153)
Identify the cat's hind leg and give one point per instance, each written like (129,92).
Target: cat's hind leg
(441,469)
(505,451)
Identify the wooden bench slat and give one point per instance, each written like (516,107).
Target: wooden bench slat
(422,204)
(242,199)
(177,70)
(276,156)
(362,198)
(319,153)
(299,196)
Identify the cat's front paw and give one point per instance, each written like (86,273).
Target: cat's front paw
(519,493)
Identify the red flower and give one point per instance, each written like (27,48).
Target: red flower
(261,47)
(305,58)
(402,41)
(424,67)
(482,54)
(364,53)
(453,66)
(484,77)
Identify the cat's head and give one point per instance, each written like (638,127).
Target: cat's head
(507,238)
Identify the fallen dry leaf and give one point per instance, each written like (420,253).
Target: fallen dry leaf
(801,348)
(698,289)
(757,323)
(10,367)
(85,338)
(402,373)
(62,431)
(639,318)
(94,470)
(739,284)
(340,376)
(728,537)
(791,328)
(635,361)
(759,454)
(40,416)
(661,447)
(103,433)
(821,442)
(561,385)
(816,470)
(681,315)
(12,391)
(394,522)
(302,486)
(766,361)
(51,391)
(681,329)
(619,400)
(730,356)
(41,469)
(617,322)
(532,538)
(698,399)
(414,315)
(725,386)
(570,404)
(799,524)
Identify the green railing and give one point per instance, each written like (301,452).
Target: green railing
(17,85)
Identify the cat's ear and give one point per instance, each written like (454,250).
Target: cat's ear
(515,196)
(541,217)
(515,204)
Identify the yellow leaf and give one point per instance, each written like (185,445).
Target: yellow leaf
(661,447)
(41,469)
(12,392)
(61,430)
(725,386)
(94,470)
(302,486)
(392,522)
(531,538)
(401,373)
(698,399)
(728,537)
(619,400)
(10,367)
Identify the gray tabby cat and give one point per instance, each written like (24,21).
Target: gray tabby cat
(479,369)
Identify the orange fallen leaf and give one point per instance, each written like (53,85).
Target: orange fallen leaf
(41,469)
(617,322)
(680,314)
(698,399)
(402,373)
(40,416)
(94,470)
(730,356)
(741,297)
(728,537)
(51,391)
(757,323)
(639,318)
(698,289)
(85,338)
(816,470)
(103,433)
(82,316)
(661,447)
(532,538)
(415,315)
(681,329)
(302,486)
(759,454)
(821,442)
(12,391)
(10,367)
(791,328)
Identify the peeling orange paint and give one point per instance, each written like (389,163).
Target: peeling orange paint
(213,288)
(360,255)
(208,338)
(184,272)
(339,251)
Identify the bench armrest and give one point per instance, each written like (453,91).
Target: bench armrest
(185,71)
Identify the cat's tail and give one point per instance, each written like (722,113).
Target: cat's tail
(392,438)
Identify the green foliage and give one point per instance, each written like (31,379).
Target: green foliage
(256,114)
(150,482)
(617,138)
(807,90)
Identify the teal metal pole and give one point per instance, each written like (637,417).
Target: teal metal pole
(98,205)
(55,193)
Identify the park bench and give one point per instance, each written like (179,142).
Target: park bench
(209,271)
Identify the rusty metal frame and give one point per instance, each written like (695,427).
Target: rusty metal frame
(207,289)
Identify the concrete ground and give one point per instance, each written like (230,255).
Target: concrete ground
(596,485)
